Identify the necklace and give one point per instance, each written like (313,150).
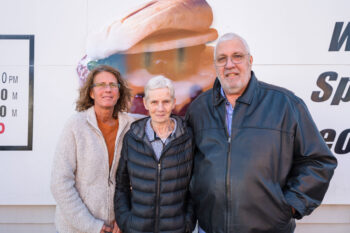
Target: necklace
(164,131)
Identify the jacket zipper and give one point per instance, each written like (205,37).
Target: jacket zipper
(110,182)
(173,142)
(227,178)
(165,148)
(228,186)
(157,199)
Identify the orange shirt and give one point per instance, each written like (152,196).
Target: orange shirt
(109,134)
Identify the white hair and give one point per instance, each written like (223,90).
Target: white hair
(159,82)
(231,36)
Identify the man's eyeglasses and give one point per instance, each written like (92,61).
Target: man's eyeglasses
(105,85)
(236,58)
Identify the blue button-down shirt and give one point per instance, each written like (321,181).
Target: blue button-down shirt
(229,113)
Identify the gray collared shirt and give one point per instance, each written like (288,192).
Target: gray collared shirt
(157,143)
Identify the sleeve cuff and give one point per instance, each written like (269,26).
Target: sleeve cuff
(296,203)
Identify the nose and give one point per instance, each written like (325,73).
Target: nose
(160,107)
(108,88)
(229,63)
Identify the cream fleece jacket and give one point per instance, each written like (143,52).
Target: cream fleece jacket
(81,182)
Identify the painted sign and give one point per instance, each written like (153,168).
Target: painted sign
(16,92)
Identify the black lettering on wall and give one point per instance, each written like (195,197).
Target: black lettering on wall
(328,136)
(338,96)
(338,39)
(343,143)
(326,88)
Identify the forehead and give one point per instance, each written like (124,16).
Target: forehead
(229,47)
(104,76)
(159,94)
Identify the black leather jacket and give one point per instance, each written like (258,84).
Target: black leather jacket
(152,196)
(274,159)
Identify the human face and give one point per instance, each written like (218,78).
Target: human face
(233,77)
(105,97)
(159,104)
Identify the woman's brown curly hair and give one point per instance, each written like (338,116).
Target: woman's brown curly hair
(85,101)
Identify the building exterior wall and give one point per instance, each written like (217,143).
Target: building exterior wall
(291,46)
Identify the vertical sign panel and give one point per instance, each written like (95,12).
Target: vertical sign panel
(16,92)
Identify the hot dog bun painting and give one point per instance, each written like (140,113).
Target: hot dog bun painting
(163,37)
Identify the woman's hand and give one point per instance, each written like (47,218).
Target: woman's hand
(116,228)
(106,229)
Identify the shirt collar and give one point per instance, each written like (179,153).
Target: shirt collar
(224,95)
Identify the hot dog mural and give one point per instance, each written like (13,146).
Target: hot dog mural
(158,38)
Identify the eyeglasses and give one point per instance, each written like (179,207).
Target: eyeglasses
(105,85)
(236,58)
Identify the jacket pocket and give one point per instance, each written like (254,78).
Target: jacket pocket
(286,209)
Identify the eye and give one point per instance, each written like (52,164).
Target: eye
(99,85)
(114,85)
(221,59)
(237,56)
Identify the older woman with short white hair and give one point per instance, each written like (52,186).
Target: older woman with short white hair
(155,168)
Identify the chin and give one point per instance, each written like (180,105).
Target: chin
(160,120)
(110,104)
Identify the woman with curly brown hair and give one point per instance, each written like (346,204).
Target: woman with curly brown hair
(88,153)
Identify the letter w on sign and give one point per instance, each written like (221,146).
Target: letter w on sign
(338,39)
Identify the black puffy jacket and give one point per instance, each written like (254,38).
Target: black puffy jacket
(151,196)
(274,159)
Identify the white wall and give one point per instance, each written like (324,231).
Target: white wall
(289,41)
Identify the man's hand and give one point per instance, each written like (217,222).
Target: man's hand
(293,211)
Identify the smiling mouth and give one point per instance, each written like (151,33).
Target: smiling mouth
(107,98)
(231,75)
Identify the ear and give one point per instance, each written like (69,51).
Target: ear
(174,104)
(145,103)
(92,94)
(251,60)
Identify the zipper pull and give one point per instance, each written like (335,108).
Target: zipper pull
(159,167)
(229,140)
